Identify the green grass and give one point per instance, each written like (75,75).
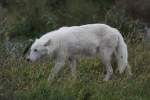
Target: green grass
(20,80)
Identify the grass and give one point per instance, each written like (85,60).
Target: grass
(20,80)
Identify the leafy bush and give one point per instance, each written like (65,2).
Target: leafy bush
(130,28)
(32,18)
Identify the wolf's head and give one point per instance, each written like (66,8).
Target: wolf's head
(38,49)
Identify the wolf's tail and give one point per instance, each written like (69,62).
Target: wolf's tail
(122,55)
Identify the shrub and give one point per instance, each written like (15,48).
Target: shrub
(32,18)
(129,27)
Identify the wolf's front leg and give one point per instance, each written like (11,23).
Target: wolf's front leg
(58,65)
(72,65)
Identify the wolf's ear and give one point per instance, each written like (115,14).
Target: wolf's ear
(47,43)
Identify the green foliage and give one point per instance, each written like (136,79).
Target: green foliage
(130,28)
(32,18)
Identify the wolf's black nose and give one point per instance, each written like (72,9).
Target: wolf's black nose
(28,59)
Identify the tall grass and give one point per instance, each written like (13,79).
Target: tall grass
(20,80)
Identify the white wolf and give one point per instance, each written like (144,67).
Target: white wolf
(69,43)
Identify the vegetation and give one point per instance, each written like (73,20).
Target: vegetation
(21,80)
(32,18)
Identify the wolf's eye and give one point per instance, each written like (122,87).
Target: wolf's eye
(35,50)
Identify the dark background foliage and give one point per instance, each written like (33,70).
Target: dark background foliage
(32,18)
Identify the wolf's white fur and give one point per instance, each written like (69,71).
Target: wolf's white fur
(69,43)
